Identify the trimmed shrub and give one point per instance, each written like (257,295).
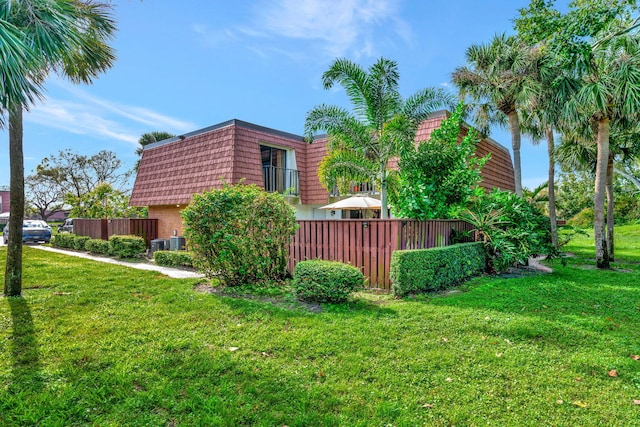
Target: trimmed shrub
(63,241)
(79,242)
(127,246)
(240,234)
(97,246)
(582,219)
(326,281)
(173,258)
(421,270)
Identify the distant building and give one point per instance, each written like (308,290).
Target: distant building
(4,199)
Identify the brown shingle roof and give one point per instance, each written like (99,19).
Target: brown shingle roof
(171,171)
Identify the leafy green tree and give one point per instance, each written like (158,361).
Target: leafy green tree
(44,196)
(593,41)
(103,202)
(497,80)
(79,174)
(39,37)
(438,177)
(631,172)
(382,125)
(150,138)
(575,193)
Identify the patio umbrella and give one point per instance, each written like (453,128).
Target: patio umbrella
(354,203)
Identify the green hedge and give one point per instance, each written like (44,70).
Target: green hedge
(97,246)
(79,242)
(173,258)
(63,240)
(127,246)
(120,246)
(414,271)
(326,281)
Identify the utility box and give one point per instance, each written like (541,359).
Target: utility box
(177,243)
(159,245)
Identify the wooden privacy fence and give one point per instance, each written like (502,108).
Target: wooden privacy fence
(104,228)
(368,243)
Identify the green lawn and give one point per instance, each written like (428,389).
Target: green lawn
(95,344)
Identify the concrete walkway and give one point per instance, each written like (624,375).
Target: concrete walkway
(171,272)
(535,263)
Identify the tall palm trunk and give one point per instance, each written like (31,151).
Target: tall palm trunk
(384,212)
(610,200)
(13,269)
(602,256)
(551,187)
(514,128)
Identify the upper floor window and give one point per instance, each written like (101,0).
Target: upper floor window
(277,178)
(272,156)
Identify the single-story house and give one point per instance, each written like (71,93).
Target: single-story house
(171,171)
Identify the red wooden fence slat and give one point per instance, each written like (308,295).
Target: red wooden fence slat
(369,247)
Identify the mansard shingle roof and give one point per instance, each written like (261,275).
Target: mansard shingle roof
(171,171)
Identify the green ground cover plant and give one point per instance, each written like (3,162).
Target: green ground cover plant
(98,344)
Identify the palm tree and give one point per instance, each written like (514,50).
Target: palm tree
(542,117)
(578,152)
(609,95)
(68,37)
(497,79)
(150,138)
(382,124)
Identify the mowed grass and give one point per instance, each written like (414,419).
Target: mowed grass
(95,344)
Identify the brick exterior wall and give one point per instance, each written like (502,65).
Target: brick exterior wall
(169,219)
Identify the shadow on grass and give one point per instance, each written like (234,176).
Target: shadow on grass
(26,364)
(288,306)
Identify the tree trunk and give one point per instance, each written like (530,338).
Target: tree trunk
(551,187)
(384,212)
(602,256)
(632,179)
(610,201)
(514,127)
(13,269)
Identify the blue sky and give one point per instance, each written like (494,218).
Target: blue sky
(187,65)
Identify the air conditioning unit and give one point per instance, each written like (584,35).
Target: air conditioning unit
(159,245)
(177,243)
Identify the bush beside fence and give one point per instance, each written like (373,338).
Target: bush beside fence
(326,281)
(120,246)
(414,271)
(173,258)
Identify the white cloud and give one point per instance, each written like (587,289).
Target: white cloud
(210,37)
(84,114)
(340,27)
(78,119)
(135,113)
(331,28)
